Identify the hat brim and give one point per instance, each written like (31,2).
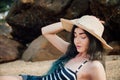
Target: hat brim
(68,25)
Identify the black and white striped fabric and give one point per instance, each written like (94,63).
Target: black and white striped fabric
(62,73)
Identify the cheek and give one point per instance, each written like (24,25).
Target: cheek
(86,44)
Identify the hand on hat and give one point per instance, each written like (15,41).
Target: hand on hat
(103,22)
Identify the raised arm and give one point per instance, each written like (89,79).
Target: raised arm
(49,32)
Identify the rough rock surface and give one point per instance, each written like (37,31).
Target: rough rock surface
(40,49)
(28,16)
(9,49)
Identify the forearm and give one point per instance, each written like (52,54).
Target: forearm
(50,32)
(52,28)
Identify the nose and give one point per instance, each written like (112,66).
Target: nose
(77,40)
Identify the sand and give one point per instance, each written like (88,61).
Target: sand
(113,70)
(22,67)
(41,67)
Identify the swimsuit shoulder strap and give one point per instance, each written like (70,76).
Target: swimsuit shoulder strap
(80,66)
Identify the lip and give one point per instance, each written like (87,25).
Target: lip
(78,47)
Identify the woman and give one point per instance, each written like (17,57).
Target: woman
(82,55)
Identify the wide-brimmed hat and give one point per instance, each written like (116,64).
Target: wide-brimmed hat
(88,23)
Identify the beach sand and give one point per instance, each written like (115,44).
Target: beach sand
(41,67)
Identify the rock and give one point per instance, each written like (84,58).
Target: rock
(9,49)
(112,57)
(27,17)
(77,9)
(24,19)
(5,30)
(40,49)
(116,48)
(27,1)
(109,2)
(109,11)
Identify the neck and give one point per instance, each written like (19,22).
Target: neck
(83,55)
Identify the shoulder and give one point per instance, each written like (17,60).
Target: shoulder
(98,69)
(96,66)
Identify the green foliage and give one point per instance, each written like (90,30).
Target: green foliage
(5,5)
(2,21)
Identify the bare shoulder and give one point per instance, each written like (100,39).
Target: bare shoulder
(97,68)
(96,64)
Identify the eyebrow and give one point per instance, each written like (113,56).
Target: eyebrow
(80,33)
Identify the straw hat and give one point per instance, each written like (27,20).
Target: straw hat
(88,23)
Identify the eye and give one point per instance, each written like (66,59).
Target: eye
(83,37)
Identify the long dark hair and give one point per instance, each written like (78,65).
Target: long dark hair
(95,50)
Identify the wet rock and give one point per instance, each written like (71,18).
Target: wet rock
(9,49)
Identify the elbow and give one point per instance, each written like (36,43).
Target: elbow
(43,31)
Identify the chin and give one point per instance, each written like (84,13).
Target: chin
(79,51)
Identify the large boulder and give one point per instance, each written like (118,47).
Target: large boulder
(109,11)
(28,16)
(5,30)
(40,49)
(116,46)
(9,49)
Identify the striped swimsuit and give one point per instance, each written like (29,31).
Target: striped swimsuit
(62,73)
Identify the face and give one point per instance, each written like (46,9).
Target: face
(81,40)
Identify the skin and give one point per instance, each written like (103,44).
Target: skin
(81,42)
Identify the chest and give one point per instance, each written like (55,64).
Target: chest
(77,65)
